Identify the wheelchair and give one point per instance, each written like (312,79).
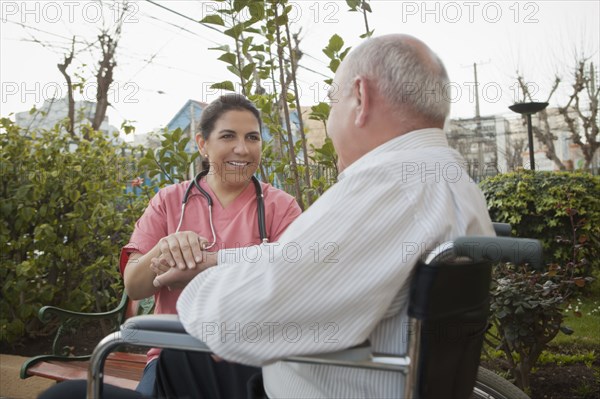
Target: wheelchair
(449,289)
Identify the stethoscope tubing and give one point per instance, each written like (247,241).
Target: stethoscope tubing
(260,207)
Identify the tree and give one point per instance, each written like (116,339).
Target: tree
(580,114)
(104,76)
(108,41)
(584,91)
(63,69)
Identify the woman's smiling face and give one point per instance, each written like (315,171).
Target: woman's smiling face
(233,147)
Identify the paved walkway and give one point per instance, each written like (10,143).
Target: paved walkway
(12,386)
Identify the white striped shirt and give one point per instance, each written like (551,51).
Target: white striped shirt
(338,275)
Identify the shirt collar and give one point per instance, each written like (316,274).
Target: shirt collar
(422,138)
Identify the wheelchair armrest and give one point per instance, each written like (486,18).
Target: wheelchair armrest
(501,249)
(167,331)
(161,331)
(502,229)
(160,322)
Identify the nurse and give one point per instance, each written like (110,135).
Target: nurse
(229,139)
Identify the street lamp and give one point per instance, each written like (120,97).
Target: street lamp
(528,109)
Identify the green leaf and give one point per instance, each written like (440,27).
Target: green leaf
(334,65)
(233,69)
(329,52)
(246,44)
(224,47)
(239,5)
(247,70)
(229,58)
(353,4)
(235,31)
(367,34)
(213,19)
(335,43)
(281,20)
(74,195)
(225,85)
(344,53)
(257,10)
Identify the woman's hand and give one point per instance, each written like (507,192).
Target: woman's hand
(182,250)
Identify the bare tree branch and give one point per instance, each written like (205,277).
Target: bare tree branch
(71,105)
(104,77)
(584,90)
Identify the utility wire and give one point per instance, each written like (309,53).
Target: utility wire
(215,29)
(182,15)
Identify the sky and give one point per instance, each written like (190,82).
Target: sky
(163,56)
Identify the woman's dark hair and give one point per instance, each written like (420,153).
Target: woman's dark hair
(218,107)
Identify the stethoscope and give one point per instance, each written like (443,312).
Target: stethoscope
(260,207)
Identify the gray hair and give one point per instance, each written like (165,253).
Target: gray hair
(405,75)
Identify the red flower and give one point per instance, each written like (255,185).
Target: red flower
(137,182)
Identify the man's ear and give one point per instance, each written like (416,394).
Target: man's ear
(360,89)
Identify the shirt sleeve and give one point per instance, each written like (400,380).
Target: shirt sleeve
(149,229)
(323,287)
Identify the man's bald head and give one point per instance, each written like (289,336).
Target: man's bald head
(407,74)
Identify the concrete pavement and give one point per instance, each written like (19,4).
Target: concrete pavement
(13,387)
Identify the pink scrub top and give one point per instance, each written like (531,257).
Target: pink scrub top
(235,226)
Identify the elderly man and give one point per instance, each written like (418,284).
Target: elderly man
(339,274)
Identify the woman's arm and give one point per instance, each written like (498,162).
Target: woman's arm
(138,276)
(181,250)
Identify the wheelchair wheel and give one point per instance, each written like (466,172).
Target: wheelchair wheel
(490,385)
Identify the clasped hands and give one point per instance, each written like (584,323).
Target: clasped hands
(182,257)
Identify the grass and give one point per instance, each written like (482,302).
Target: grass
(583,317)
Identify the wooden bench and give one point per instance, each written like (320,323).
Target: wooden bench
(121,369)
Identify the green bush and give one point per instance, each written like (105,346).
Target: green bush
(561,209)
(65,216)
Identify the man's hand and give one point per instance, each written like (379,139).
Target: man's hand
(174,277)
(159,265)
